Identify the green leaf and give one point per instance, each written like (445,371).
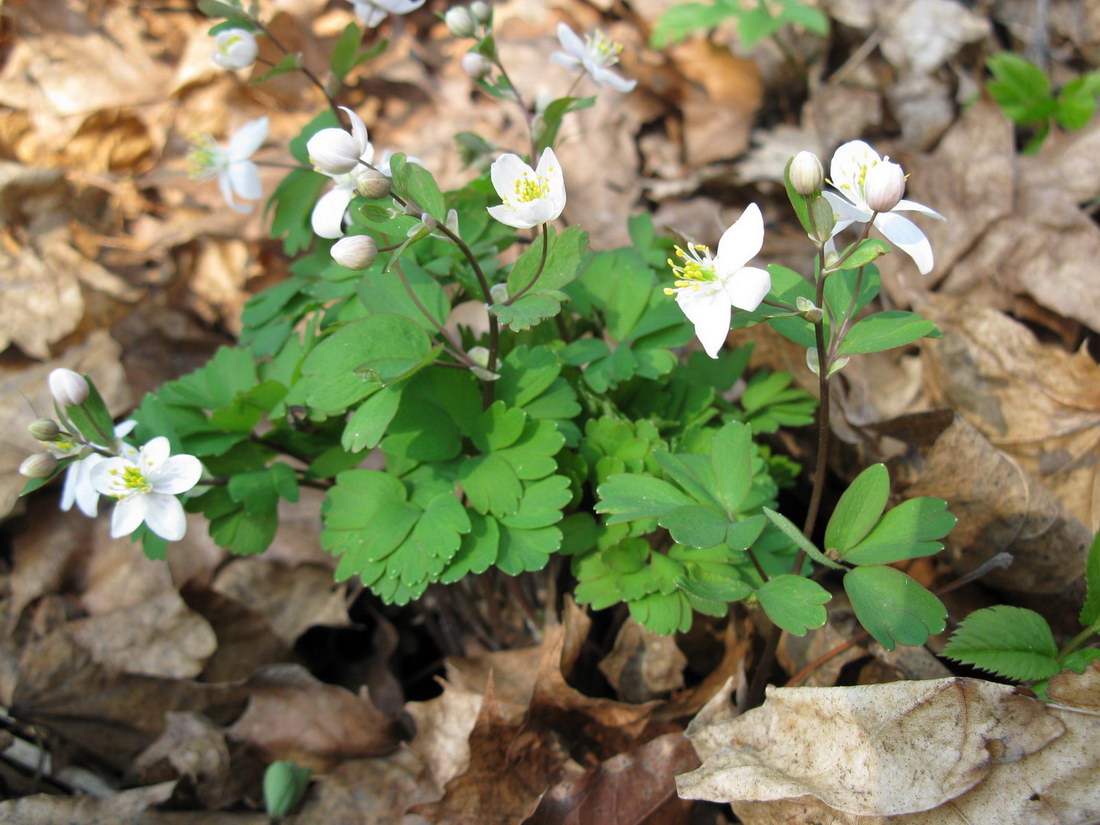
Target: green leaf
(869,250)
(386,293)
(885,330)
(907,531)
(289,63)
(490,484)
(710,585)
(1020,88)
(550,121)
(663,613)
(808,17)
(567,253)
(682,19)
(628,497)
(291,205)
(892,607)
(531,309)
(424,191)
(285,783)
(498,427)
(794,603)
(695,525)
(92,417)
(477,552)
(731,457)
(756,24)
(217,8)
(1090,612)
(859,509)
(523,551)
(343,54)
(840,290)
(367,426)
(1010,641)
(794,534)
(541,504)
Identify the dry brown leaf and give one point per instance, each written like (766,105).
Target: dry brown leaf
(1036,402)
(874,750)
(626,789)
(120,809)
(643,665)
(291,599)
(292,715)
(159,637)
(368,792)
(443,727)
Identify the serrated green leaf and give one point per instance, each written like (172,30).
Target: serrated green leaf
(478,550)
(663,613)
(892,607)
(628,497)
(885,330)
(1010,641)
(530,310)
(794,603)
(541,504)
(859,509)
(523,551)
(907,531)
(490,484)
(694,473)
(788,528)
(1090,611)
(498,427)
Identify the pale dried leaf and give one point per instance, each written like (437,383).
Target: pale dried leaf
(875,750)
(643,665)
(443,727)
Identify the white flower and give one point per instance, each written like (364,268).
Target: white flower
(848,172)
(531,196)
(146,486)
(709,286)
(236,49)
(78,487)
(236,173)
(373,12)
(336,152)
(595,55)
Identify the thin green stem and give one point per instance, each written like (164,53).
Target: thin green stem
(455,350)
(538,272)
(1078,640)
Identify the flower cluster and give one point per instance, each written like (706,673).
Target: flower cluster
(144,481)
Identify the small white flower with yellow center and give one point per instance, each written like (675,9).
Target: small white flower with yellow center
(531,196)
(78,488)
(237,174)
(146,486)
(709,286)
(848,172)
(236,49)
(595,55)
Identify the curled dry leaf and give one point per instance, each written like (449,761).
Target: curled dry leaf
(643,665)
(443,727)
(872,750)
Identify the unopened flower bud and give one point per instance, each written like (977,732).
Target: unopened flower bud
(498,293)
(807,309)
(824,219)
(355,251)
(806,173)
(333,151)
(44,429)
(39,465)
(459,22)
(480,357)
(884,186)
(68,388)
(370,183)
(236,49)
(481,11)
(476,65)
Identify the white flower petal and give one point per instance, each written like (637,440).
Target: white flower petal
(154,455)
(709,313)
(615,81)
(128,514)
(69,486)
(124,428)
(913,206)
(570,62)
(741,242)
(327,218)
(571,42)
(244,177)
(106,476)
(176,475)
(846,212)
(248,139)
(506,171)
(165,517)
(846,167)
(225,184)
(906,236)
(511,217)
(747,287)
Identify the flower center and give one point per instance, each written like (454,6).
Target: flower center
(531,188)
(133,481)
(224,48)
(205,158)
(602,48)
(697,268)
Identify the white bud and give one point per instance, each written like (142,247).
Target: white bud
(39,465)
(370,183)
(237,49)
(884,186)
(333,151)
(355,251)
(68,388)
(498,293)
(806,173)
(480,356)
(476,65)
(459,22)
(451,221)
(481,11)
(808,309)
